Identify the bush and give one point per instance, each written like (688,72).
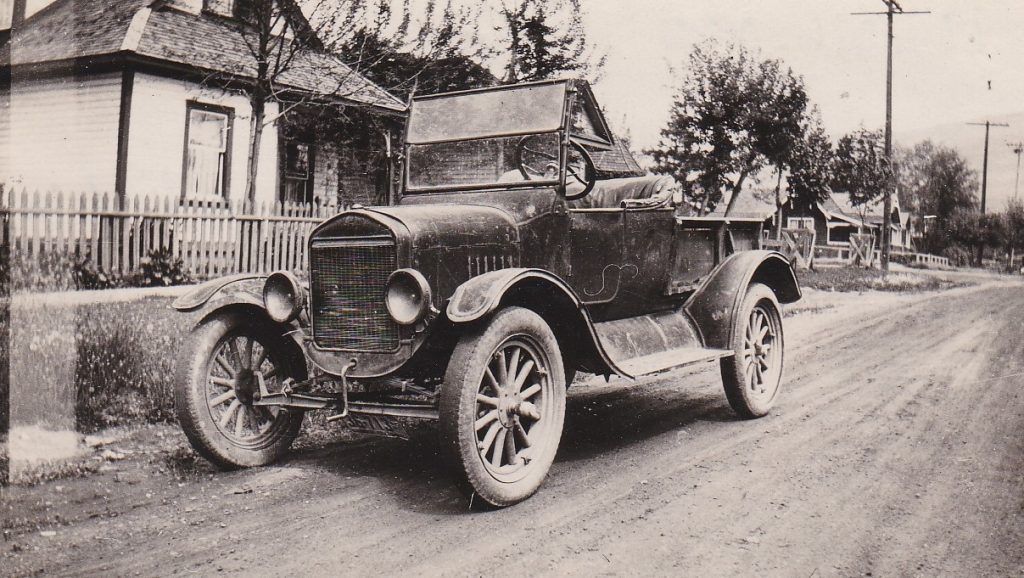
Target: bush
(958,256)
(63,271)
(87,276)
(160,269)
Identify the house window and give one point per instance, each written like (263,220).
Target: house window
(800,223)
(297,172)
(207,152)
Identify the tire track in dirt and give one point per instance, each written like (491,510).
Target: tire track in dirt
(660,478)
(901,396)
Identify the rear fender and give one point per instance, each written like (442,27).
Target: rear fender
(543,293)
(716,303)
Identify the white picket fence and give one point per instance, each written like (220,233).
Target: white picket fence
(210,239)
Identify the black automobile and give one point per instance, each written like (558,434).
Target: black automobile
(506,265)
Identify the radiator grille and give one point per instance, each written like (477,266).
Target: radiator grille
(347,279)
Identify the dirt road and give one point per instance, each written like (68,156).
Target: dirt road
(897,449)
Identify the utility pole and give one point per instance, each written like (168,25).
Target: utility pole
(984,165)
(892,8)
(1017,148)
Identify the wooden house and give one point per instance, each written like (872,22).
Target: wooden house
(144,97)
(836,218)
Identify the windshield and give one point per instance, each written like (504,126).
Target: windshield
(485,162)
(494,113)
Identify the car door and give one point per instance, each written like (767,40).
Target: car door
(596,250)
(647,247)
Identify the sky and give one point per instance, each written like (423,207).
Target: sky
(943,64)
(958,64)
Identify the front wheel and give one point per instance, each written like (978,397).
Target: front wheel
(217,382)
(752,375)
(502,407)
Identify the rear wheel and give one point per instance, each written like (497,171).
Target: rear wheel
(502,407)
(752,375)
(217,382)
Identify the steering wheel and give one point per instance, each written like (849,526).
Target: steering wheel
(533,161)
(579,168)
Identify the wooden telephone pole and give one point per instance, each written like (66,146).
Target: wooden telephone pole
(984,166)
(1018,149)
(892,9)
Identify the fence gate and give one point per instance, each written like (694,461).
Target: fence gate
(797,245)
(862,249)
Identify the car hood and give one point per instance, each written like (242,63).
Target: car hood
(429,226)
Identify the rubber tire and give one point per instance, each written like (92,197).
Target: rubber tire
(190,390)
(733,375)
(457,406)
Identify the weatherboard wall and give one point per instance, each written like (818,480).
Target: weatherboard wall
(62,133)
(156,145)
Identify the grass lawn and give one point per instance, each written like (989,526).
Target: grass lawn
(858,279)
(87,366)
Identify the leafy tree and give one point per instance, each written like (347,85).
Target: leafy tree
(1013,230)
(336,41)
(810,167)
(860,167)
(544,39)
(934,180)
(734,114)
(426,61)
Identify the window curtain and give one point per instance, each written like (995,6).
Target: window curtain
(206,149)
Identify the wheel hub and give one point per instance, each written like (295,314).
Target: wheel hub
(508,405)
(245,387)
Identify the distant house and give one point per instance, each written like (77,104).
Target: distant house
(117,96)
(836,218)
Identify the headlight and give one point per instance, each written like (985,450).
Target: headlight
(407,296)
(283,296)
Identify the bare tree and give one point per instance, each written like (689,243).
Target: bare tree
(306,53)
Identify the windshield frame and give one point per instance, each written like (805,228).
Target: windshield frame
(574,91)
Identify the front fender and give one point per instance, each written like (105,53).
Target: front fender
(240,288)
(715,304)
(545,294)
(482,294)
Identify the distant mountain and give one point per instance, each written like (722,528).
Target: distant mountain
(969,140)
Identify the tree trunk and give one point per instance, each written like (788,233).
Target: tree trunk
(255,138)
(778,205)
(735,193)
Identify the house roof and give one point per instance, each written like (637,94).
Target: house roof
(839,206)
(74,29)
(751,204)
(616,162)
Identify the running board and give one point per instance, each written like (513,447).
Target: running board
(672,359)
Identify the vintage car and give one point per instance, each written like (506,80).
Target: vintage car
(503,267)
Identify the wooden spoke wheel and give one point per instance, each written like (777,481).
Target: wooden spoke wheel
(503,406)
(218,382)
(753,374)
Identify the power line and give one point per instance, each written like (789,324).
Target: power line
(892,8)
(984,165)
